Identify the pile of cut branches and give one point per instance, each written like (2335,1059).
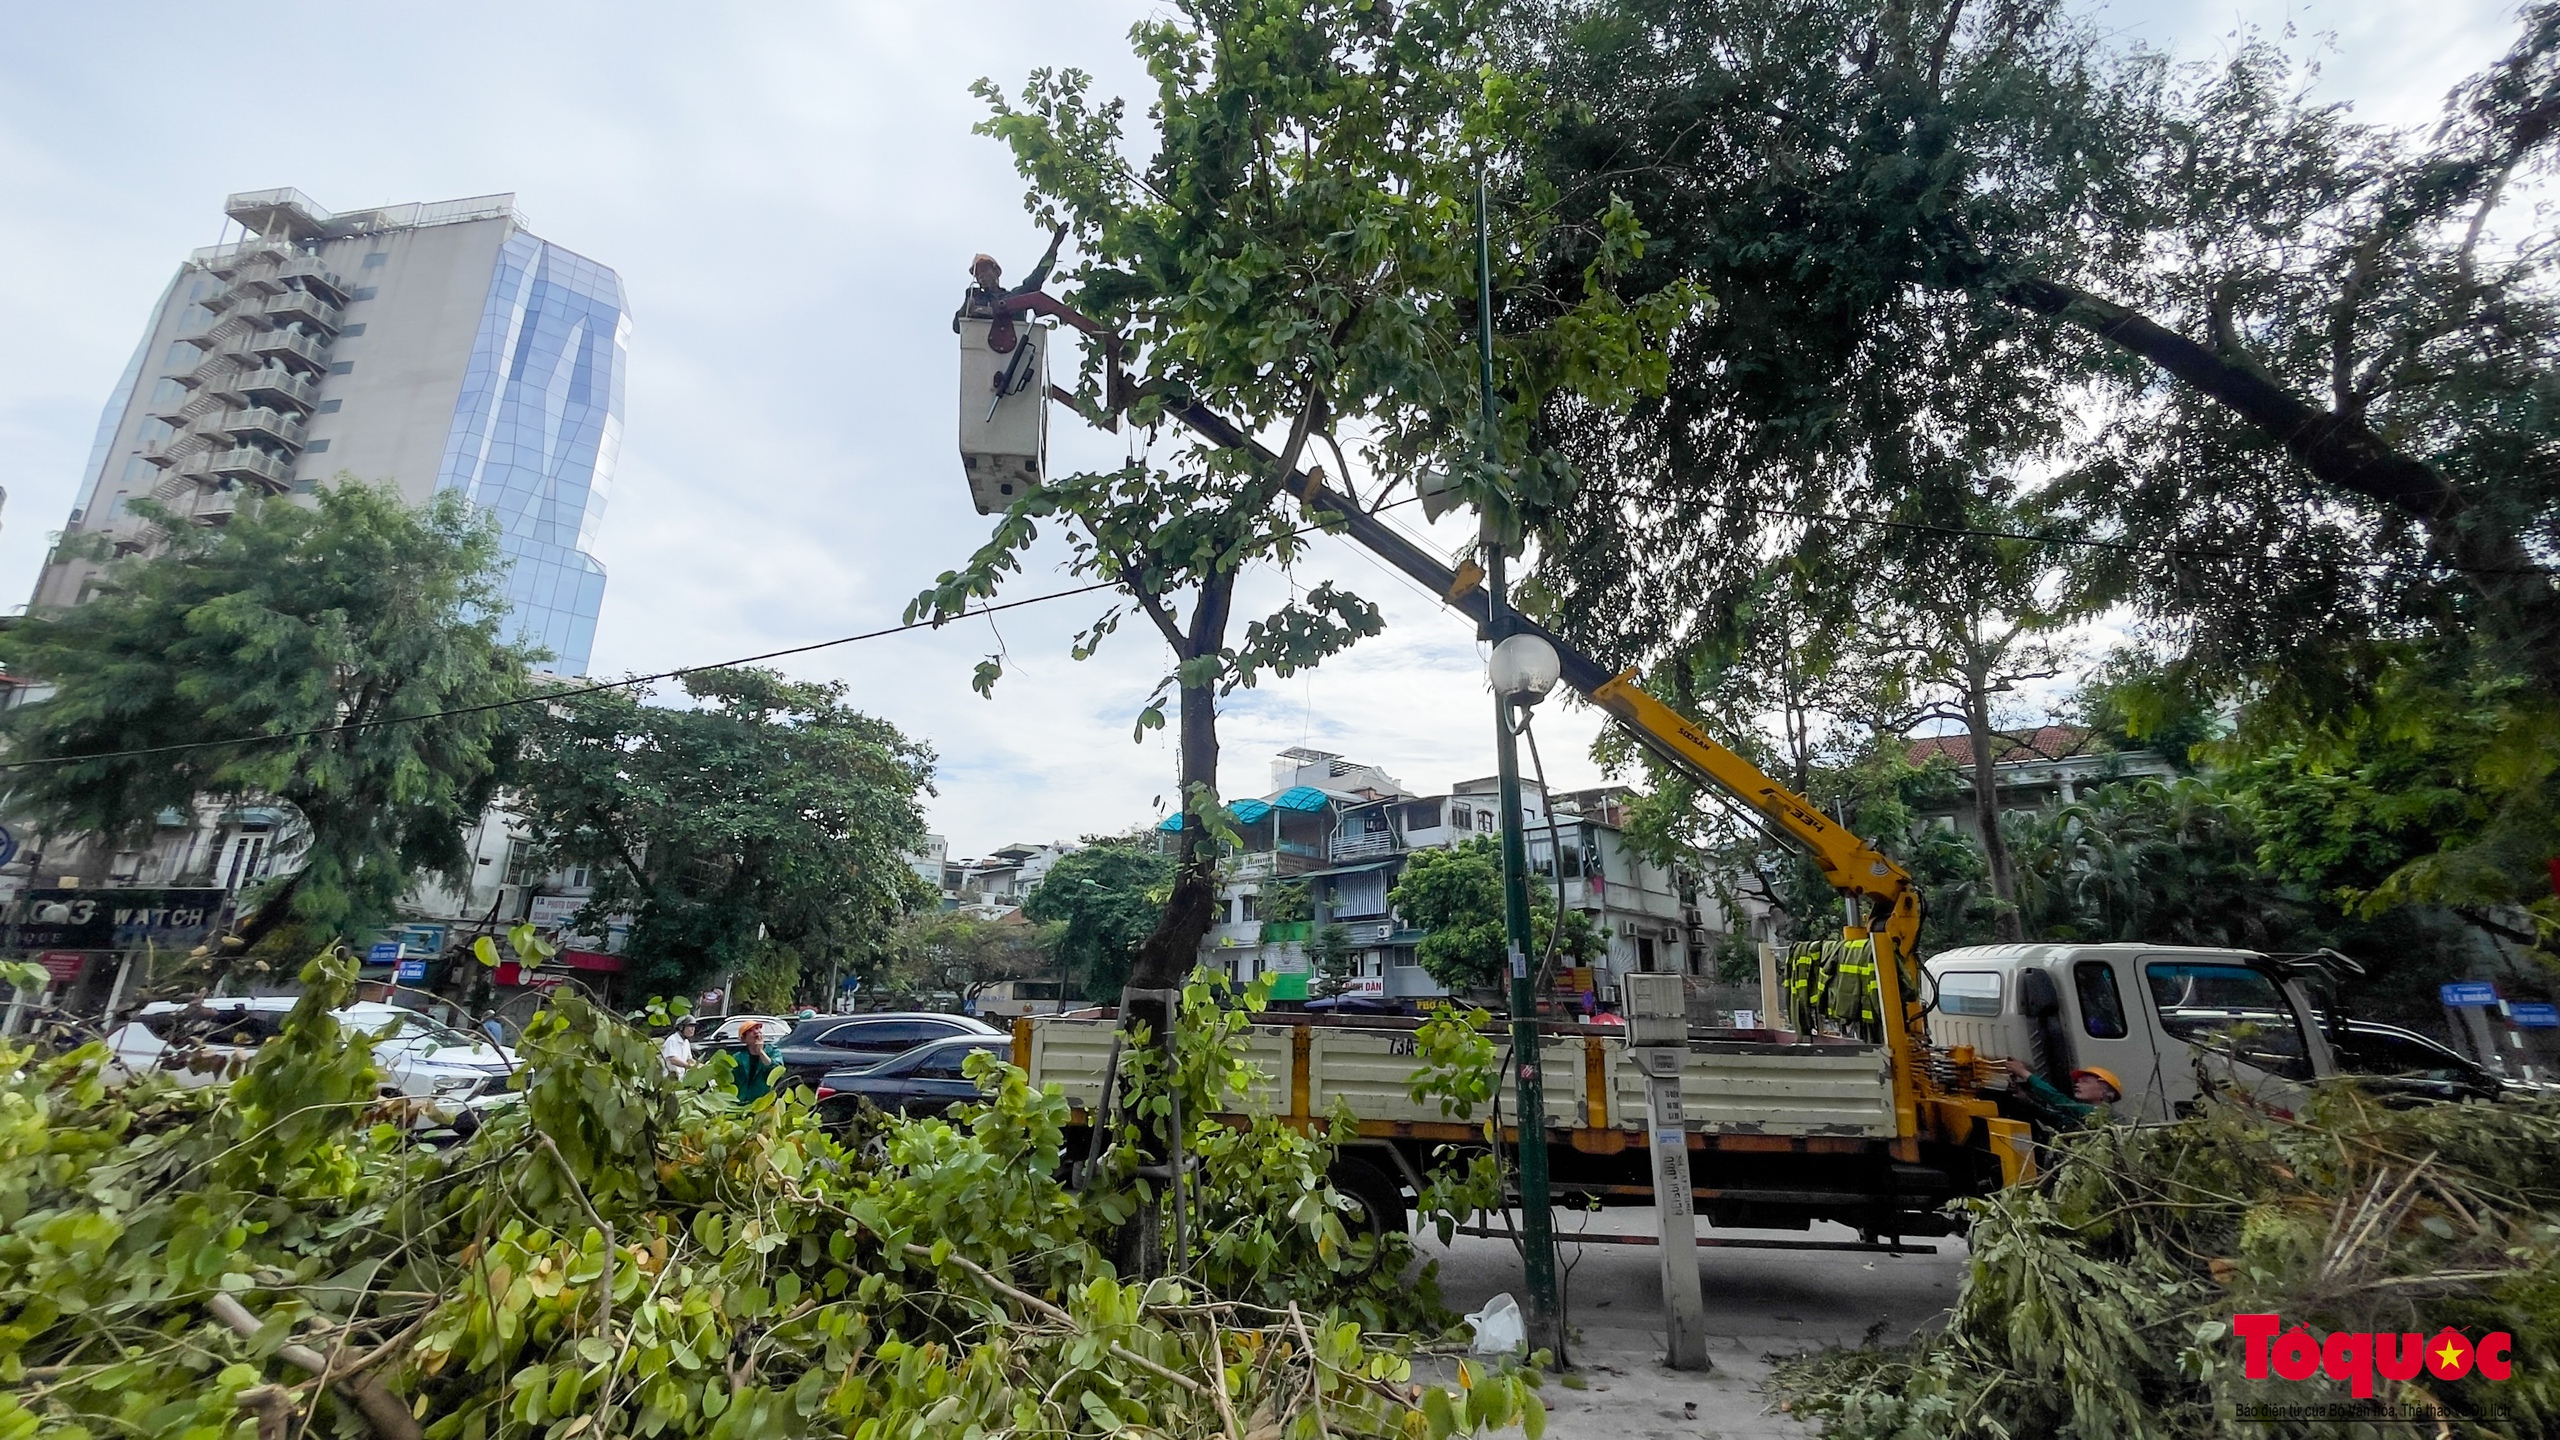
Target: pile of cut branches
(2101,1301)
(624,1253)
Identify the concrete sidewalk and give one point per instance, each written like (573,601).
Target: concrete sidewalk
(1759,1303)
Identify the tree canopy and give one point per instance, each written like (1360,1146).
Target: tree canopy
(1456,896)
(766,817)
(1106,895)
(343,659)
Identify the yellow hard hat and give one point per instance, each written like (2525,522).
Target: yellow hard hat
(2103,1073)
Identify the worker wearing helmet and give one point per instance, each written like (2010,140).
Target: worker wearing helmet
(2093,1088)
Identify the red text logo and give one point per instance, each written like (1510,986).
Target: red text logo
(2357,1356)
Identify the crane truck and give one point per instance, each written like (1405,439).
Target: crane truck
(1784,1127)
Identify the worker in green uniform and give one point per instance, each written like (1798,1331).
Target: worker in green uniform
(2093,1088)
(755,1065)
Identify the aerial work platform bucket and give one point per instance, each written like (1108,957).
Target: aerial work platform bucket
(1004,412)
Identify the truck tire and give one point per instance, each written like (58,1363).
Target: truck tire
(1378,1202)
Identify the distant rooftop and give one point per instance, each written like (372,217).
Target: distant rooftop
(288,215)
(2045,742)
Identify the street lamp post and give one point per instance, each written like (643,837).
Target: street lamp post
(1516,664)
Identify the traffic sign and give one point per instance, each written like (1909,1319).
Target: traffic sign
(384,952)
(412,970)
(2533,1015)
(2469,992)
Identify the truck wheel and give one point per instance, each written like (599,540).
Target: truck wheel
(1379,1200)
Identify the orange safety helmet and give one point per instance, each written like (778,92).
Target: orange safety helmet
(2101,1072)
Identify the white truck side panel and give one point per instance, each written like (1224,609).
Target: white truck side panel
(1749,1089)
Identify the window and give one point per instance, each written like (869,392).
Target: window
(2230,1007)
(2383,1052)
(351,332)
(137,468)
(1644,954)
(947,1062)
(376,260)
(341,367)
(1248,908)
(1969,992)
(154,430)
(182,357)
(1462,818)
(316,447)
(521,867)
(331,407)
(2101,1004)
(117,508)
(363,292)
(168,392)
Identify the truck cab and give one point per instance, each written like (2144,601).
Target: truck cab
(2153,1014)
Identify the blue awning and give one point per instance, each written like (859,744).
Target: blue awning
(1245,812)
(1306,798)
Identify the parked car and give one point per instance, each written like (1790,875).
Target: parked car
(210,1042)
(2404,1066)
(927,1080)
(722,1033)
(858,1042)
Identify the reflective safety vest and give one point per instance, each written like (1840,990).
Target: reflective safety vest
(1804,987)
(1850,998)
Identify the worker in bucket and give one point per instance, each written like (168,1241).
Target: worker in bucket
(2093,1089)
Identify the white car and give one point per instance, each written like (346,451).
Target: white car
(209,1042)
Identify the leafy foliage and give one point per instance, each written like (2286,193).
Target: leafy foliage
(1456,895)
(2099,1304)
(623,1252)
(1107,894)
(767,817)
(937,953)
(359,631)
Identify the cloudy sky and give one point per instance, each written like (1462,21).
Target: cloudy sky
(791,193)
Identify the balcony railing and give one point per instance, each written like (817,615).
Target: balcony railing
(265,424)
(291,347)
(286,307)
(269,384)
(215,507)
(1364,846)
(314,275)
(249,463)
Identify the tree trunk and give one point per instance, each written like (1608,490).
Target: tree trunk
(1986,810)
(1173,947)
(2522,602)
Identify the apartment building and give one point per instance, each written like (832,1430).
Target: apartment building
(432,347)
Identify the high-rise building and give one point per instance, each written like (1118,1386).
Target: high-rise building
(431,346)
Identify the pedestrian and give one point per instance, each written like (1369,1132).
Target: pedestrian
(2093,1088)
(678,1051)
(755,1066)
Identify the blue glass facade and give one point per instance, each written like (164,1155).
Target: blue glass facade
(535,431)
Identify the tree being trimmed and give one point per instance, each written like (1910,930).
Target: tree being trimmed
(1297,255)
(346,659)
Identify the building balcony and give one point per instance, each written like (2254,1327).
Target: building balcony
(309,273)
(1370,846)
(301,306)
(250,463)
(216,507)
(210,367)
(277,426)
(291,347)
(272,386)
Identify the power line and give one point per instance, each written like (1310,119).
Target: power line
(546,697)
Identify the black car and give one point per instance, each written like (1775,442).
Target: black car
(858,1042)
(2403,1065)
(927,1080)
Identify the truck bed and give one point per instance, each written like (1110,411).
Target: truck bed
(1735,1082)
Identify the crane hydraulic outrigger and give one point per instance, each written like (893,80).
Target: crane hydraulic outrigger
(1925,1109)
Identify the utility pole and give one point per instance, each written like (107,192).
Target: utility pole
(1537,1220)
